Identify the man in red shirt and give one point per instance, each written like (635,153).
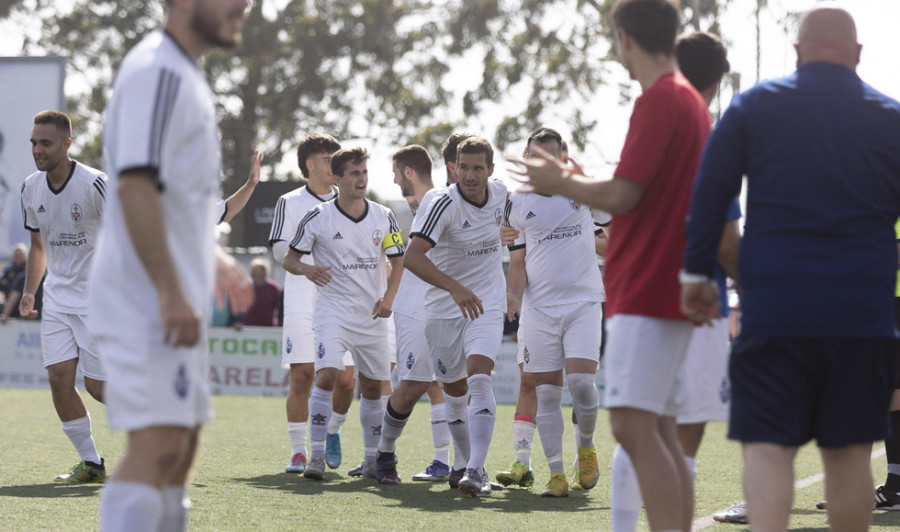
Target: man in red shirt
(264,310)
(648,197)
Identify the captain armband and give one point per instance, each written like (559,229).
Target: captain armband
(392,240)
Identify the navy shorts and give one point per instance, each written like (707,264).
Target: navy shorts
(789,391)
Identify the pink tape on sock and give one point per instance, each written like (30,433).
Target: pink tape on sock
(527,419)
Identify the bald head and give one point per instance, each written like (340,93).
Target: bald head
(828,34)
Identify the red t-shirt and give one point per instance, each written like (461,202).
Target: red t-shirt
(263,311)
(668,129)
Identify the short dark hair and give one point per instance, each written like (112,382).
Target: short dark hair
(653,24)
(415,157)
(56,118)
(312,144)
(565,146)
(449,149)
(702,59)
(544,134)
(475,144)
(340,159)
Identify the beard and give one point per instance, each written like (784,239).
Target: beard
(406,188)
(209,25)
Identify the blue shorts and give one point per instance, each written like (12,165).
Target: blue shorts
(789,391)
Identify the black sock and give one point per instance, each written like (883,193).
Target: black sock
(892,450)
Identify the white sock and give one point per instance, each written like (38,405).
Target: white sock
(131,507)
(457,423)
(625,500)
(482,414)
(391,428)
(79,433)
(371,414)
(176,505)
(336,422)
(297,437)
(440,434)
(585,403)
(550,423)
(523,438)
(692,467)
(577,435)
(319,412)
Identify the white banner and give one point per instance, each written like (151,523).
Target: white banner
(246,362)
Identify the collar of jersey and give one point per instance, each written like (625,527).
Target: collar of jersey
(352,219)
(66,182)
(487,196)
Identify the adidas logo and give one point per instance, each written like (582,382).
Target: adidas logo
(456,422)
(337,236)
(484,412)
(42,209)
(530,215)
(466,224)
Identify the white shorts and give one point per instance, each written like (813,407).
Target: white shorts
(152,384)
(298,341)
(368,345)
(559,332)
(66,336)
(643,363)
(707,390)
(413,357)
(452,340)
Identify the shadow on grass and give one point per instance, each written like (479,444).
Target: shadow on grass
(51,491)
(891,519)
(426,496)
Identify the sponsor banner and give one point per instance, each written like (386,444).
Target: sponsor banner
(245,362)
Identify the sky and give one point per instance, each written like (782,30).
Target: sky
(876,24)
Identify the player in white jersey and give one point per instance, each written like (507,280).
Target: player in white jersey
(465,300)
(412,172)
(348,238)
(155,262)
(314,159)
(562,314)
(62,204)
(448,152)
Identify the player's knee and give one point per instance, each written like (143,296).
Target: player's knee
(412,392)
(527,383)
(60,378)
(631,427)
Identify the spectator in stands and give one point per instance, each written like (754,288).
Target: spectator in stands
(11,271)
(267,294)
(11,307)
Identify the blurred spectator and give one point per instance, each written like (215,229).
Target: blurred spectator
(11,307)
(15,267)
(267,295)
(223,316)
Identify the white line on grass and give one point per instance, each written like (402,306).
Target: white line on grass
(707,521)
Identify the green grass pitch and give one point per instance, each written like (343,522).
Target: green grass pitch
(239,483)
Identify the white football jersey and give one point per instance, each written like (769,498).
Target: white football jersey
(69,222)
(299,292)
(466,240)
(557,234)
(355,250)
(410,300)
(160,119)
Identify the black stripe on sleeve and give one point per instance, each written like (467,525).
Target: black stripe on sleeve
(434,215)
(301,229)
(163,105)
(152,170)
(513,247)
(100,188)
(424,237)
(277,222)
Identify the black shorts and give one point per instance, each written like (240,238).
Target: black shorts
(789,391)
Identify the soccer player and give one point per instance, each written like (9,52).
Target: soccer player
(155,263)
(464,304)
(62,204)
(703,60)
(820,154)
(648,198)
(348,238)
(298,344)
(562,315)
(412,172)
(448,152)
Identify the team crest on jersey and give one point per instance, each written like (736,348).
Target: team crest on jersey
(574,204)
(181,382)
(377,237)
(410,360)
(76,212)
(498,215)
(441,367)
(321,351)
(288,346)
